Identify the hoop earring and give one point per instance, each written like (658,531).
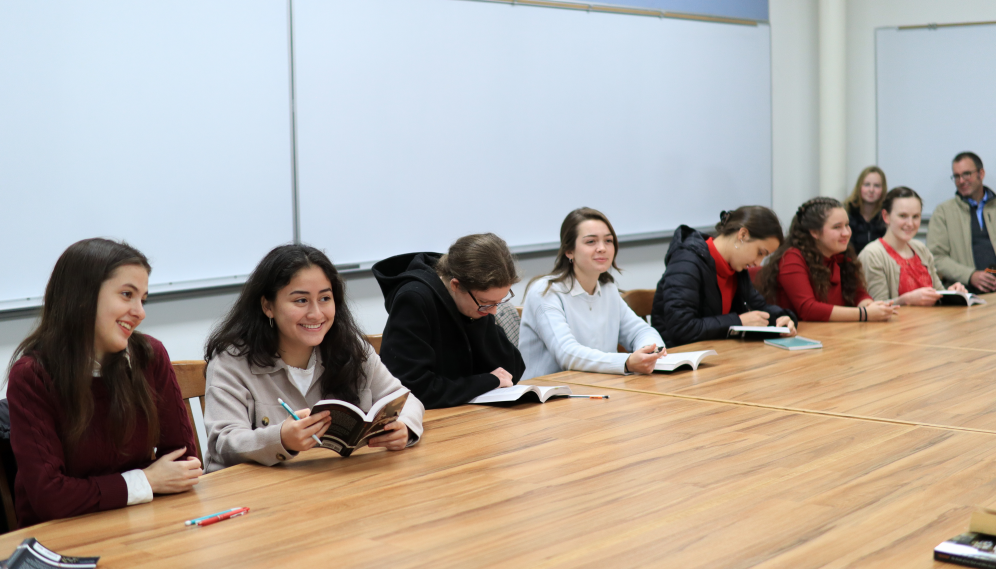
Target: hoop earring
(735,246)
(271,323)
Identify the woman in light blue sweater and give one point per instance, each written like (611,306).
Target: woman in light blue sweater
(574,318)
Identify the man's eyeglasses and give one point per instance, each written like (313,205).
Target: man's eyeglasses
(486,307)
(967,175)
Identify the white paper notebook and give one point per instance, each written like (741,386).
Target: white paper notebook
(672,362)
(516,392)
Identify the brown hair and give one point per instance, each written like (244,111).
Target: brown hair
(480,262)
(975,159)
(854,200)
(899,192)
(63,345)
(563,268)
(810,217)
(760,222)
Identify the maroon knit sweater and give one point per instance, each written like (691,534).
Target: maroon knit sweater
(53,484)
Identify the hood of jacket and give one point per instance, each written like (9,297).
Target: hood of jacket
(394,272)
(691,240)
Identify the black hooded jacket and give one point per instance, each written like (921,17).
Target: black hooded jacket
(444,357)
(688,306)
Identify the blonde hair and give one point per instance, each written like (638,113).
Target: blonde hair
(854,200)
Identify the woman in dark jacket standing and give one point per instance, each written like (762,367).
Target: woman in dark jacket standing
(441,339)
(706,287)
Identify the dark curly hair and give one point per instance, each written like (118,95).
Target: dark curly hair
(810,217)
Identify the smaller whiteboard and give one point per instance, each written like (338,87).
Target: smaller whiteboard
(935,93)
(164,123)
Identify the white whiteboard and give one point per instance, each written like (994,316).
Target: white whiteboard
(422,120)
(163,123)
(935,91)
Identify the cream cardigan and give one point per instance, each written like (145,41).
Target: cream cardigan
(243,417)
(882,273)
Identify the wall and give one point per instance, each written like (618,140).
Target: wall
(863,16)
(183,324)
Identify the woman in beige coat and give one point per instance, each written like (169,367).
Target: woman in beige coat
(290,336)
(897,266)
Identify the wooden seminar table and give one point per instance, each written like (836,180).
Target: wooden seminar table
(930,381)
(712,468)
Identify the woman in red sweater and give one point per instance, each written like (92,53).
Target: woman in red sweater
(816,273)
(91,399)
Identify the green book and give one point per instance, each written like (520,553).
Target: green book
(795,343)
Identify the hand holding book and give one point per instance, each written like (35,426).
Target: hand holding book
(396,437)
(302,430)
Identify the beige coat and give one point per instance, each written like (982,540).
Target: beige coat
(949,238)
(882,272)
(243,418)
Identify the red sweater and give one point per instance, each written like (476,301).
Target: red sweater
(795,290)
(726,277)
(50,486)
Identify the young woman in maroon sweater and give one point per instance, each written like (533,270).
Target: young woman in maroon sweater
(90,398)
(816,273)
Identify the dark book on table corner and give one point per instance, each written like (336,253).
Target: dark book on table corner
(33,555)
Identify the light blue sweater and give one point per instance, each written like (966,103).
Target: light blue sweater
(568,329)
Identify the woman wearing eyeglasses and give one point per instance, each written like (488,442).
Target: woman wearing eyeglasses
(441,339)
(574,318)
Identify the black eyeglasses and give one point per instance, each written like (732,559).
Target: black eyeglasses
(486,307)
(966,176)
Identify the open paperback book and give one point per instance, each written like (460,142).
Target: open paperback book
(955,298)
(672,362)
(748,332)
(351,428)
(524,392)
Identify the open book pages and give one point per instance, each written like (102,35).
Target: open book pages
(747,331)
(955,298)
(350,427)
(672,362)
(517,392)
(796,343)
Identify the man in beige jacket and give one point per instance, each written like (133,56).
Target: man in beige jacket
(962,231)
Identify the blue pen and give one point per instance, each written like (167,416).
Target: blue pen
(195,520)
(296,418)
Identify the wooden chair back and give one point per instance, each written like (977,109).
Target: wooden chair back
(190,375)
(374,340)
(641,300)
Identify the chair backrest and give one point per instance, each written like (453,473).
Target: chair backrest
(509,317)
(374,340)
(190,375)
(641,300)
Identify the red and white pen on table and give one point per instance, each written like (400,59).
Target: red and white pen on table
(224,516)
(589,396)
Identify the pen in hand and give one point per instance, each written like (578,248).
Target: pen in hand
(296,418)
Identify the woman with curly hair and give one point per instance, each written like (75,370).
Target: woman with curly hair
(816,273)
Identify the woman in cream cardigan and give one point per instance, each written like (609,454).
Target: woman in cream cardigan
(897,266)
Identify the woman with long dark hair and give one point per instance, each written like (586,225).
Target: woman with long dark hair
(706,287)
(290,335)
(816,273)
(574,317)
(91,398)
